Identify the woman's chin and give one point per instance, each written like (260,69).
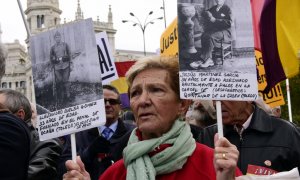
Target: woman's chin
(149,132)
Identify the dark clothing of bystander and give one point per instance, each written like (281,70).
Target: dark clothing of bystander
(14,146)
(44,157)
(268,142)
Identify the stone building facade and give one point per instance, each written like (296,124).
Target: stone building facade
(43,15)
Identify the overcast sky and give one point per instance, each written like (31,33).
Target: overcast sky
(128,37)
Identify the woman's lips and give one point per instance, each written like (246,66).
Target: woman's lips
(145,115)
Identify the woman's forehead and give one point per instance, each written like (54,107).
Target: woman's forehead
(152,75)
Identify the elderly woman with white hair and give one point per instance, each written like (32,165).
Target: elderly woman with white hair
(162,146)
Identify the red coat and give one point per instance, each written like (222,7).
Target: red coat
(198,166)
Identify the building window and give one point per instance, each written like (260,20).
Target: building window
(43,21)
(17,84)
(40,21)
(22,84)
(9,85)
(4,85)
(22,61)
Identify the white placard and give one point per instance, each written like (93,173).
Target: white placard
(72,119)
(106,59)
(216,51)
(67,79)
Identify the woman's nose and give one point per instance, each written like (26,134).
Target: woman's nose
(144,97)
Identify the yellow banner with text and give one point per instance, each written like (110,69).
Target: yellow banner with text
(169,40)
(275,96)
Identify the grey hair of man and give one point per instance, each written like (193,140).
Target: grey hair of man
(2,61)
(15,101)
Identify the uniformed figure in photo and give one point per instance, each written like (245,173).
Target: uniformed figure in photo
(60,57)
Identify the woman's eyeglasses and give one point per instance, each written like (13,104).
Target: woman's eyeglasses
(112,101)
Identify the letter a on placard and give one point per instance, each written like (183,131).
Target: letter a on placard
(103,63)
(107,64)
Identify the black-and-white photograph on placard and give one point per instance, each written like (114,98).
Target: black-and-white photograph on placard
(216,50)
(65,66)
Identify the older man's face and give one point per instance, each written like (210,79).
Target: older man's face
(235,112)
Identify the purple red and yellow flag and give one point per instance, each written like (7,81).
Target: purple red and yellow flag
(121,84)
(280,39)
(274,97)
(256,13)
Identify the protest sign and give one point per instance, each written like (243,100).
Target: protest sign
(216,51)
(106,59)
(169,40)
(71,119)
(67,79)
(275,96)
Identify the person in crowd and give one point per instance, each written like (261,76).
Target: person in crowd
(33,115)
(262,140)
(98,151)
(200,116)
(44,155)
(60,57)
(14,140)
(128,117)
(217,27)
(276,111)
(162,146)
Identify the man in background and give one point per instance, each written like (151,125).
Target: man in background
(262,140)
(33,115)
(44,155)
(276,111)
(14,140)
(201,114)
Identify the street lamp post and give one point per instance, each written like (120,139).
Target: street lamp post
(164,9)
(142,26)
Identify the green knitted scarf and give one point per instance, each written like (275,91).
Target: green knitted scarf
(141,167)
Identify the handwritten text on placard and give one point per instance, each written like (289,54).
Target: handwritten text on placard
(216,85)
(71,119)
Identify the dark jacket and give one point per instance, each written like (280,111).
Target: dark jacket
(267,139)
(44,157)
(96,152)
(14,147)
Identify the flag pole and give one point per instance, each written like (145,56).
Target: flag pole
(289,99)
(24,20)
